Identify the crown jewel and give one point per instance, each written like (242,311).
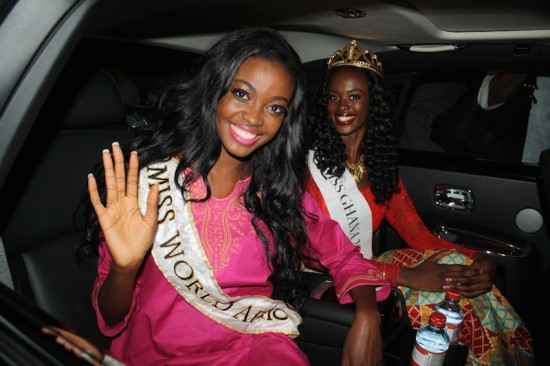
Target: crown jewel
(353,55)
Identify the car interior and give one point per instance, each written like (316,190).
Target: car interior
(103,85)
(90,106)
(87,110)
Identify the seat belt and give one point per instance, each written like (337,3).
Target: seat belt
(5,275)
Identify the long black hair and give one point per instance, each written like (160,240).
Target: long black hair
(379,145)
(184,125)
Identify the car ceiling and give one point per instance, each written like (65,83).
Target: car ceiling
(315,28)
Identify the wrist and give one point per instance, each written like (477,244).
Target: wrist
(389,271)
(367,316)
(404,275)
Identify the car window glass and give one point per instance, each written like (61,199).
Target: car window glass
(5,7)
(443,115)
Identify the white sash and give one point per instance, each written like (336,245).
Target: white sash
(180,257)
(346,205)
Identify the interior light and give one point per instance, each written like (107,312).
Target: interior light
(350,13)
(433,47)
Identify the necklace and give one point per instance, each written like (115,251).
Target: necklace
(358,169)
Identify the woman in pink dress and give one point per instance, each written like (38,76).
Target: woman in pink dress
(194,232)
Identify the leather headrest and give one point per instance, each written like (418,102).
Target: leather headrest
(95,101)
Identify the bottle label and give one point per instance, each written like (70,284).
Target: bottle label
(452,331)
(421,357)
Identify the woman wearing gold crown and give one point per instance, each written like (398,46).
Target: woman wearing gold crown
(354,176)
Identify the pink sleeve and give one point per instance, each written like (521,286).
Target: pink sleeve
(346,265)
(104,264)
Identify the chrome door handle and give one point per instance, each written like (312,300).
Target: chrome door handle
(454,198)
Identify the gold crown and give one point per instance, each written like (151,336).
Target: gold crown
(353,55)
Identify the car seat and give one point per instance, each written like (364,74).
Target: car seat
(83,115)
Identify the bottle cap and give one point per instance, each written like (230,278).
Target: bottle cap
(438,319)
(453,294)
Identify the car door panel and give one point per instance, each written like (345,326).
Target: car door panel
(491,225)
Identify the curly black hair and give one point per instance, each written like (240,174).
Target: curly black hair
(184,126)
(379,145)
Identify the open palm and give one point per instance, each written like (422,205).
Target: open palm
(128,233)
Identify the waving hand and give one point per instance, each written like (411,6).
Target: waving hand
(127,232)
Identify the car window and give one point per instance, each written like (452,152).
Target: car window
(443,115)
(5,7)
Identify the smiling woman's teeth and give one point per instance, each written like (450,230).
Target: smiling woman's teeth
(242,133)
(344,118)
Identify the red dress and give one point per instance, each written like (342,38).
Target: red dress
(401,214)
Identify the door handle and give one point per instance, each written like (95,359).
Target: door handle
(454,198)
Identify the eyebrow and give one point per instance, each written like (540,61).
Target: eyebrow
(347,91)
(274,98)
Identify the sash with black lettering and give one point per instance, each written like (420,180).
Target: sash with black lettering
(180,257)
(346,205)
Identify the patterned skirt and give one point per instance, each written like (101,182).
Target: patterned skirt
(492,330)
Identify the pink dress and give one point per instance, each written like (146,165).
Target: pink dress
(163,329)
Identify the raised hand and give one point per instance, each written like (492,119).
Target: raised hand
(128,233)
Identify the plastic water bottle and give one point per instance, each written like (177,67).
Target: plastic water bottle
(432,342)
(450,306)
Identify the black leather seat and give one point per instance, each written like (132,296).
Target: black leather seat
(83,115)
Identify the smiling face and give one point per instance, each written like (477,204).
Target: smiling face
(348,101)
(250,114)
